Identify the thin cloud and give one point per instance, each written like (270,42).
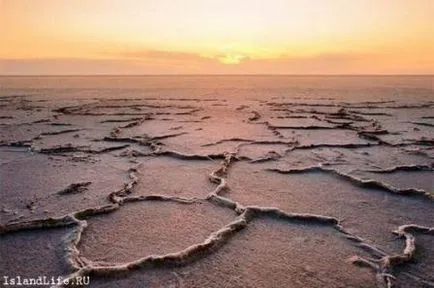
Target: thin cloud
(168,62)
(162,55)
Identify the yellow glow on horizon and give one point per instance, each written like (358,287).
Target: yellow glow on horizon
(205,33)
(231,58)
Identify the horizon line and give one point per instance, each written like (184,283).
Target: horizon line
(214,74)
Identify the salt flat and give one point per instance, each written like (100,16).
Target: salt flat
(228,182)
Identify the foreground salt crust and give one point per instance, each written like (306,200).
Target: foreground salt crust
(194,187)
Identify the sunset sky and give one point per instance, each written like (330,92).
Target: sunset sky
(216,37)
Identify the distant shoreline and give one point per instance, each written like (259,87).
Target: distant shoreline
(221,75)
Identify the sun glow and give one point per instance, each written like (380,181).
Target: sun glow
(231,58)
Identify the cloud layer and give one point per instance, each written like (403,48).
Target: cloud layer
(167,62)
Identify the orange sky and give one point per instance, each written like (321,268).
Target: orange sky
(224,36)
